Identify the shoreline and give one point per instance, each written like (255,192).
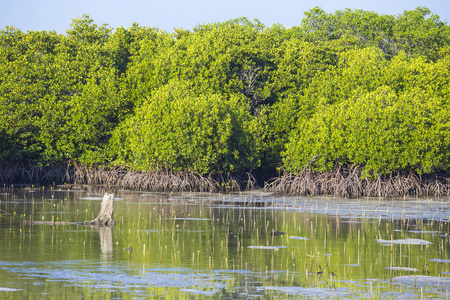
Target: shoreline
(342,182)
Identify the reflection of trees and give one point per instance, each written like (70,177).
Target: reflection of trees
(106,242)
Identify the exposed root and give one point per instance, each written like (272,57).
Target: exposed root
(27,173)
(348,182)
(157,181)
(344,182)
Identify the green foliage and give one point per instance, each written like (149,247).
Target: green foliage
(59,95)
(417,32)
(298,63)
(384,129)
(24,73)
(230,57)
(346,88)
(177,129)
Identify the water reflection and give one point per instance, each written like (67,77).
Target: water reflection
(106,242)
(214,245)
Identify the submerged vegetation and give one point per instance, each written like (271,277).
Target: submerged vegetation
(351,90)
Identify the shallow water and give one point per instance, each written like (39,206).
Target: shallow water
(220,246)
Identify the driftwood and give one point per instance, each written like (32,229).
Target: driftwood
(104,219)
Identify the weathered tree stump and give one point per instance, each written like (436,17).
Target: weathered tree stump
(104,219)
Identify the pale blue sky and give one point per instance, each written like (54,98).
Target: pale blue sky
(169,14)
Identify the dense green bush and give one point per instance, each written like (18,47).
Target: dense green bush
(403,124)
(177,129)
(341,89)
(58,95)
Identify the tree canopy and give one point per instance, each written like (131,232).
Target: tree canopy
(349,88)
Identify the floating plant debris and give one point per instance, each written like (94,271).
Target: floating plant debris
(298,238)
(3,289)
(440,260)
(92,198)
(402,269)
(404,242)
(267,247)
